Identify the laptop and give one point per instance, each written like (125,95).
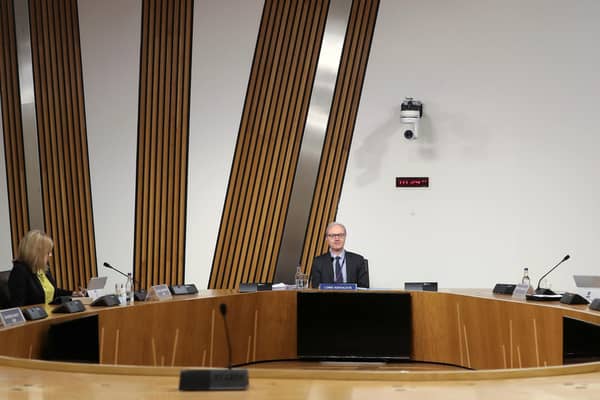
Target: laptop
(95,287)
(588,286)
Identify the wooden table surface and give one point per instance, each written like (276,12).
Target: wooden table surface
(460,327)
(21,379)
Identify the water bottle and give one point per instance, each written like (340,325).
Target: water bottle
(525,279)
(121,294)
(299,278)
(129,289)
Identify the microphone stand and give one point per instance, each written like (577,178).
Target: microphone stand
(215,378)
(548,291)
(107,265)
(139,295)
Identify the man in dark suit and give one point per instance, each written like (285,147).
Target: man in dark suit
(339,265)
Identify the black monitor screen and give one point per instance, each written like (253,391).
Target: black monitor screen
(75,340)
(581,341)
(358,325)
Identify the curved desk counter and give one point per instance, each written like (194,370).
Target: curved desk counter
(471,328)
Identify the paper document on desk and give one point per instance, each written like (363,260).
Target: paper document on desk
(544,297)
(282,286)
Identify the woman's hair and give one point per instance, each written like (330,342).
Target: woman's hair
(33,249)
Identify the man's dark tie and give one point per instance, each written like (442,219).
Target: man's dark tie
(339,278)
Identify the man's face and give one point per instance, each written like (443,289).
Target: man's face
(336,237)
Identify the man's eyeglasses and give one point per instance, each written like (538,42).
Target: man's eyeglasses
(336,235)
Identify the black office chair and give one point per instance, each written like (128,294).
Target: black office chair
(367,272)
(4,293)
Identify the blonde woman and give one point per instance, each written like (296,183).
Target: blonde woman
(30,280)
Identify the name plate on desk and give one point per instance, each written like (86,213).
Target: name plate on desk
(11,317)
(337,286)
(424,286)
(160,293)
(504,288)
(521,291)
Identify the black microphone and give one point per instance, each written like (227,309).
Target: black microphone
(139,295)
(548,291)
(223,309)
(215,378)
(107,265)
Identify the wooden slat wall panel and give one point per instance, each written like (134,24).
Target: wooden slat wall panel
(12,126)
(62,138)
(163,130)
(340,129)
(268,142)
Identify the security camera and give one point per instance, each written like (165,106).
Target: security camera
(411,111)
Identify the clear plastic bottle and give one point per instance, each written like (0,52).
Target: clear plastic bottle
(299,278)
(129,289)
(121,294)
(526,279)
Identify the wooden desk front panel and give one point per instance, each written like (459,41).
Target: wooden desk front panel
(476,331)
(489,333)
(191,332)
(27,340)
(186,331)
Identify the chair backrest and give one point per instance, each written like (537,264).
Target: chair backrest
(367,270)
(4,293)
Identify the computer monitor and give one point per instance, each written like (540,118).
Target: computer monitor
(581,341)
(354,326)
(75,340)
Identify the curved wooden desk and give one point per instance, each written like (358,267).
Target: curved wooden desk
(470,328)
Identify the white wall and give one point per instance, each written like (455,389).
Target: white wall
(5,240)
(509,140)
(509,136)
(225,34)
(110,51)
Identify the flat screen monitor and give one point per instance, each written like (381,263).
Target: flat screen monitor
(75,340)
(581,341)
(354,326)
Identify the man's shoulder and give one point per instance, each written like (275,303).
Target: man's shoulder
(323,257)
(352,255)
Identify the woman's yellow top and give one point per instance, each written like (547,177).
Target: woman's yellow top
(46,285)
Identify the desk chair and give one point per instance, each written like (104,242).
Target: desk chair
(4,293)
(367,272)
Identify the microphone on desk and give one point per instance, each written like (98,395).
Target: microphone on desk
(107,265)
(223,309)
(548,291)
(215,378)
(139,295)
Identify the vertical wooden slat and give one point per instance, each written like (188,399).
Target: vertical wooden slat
(12,126)
(143,150)
(169,126)
(340,128)
(159,250)
(268,143)
(239,159)
(312,53)
(185,44)
(62,137)
(263,214)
